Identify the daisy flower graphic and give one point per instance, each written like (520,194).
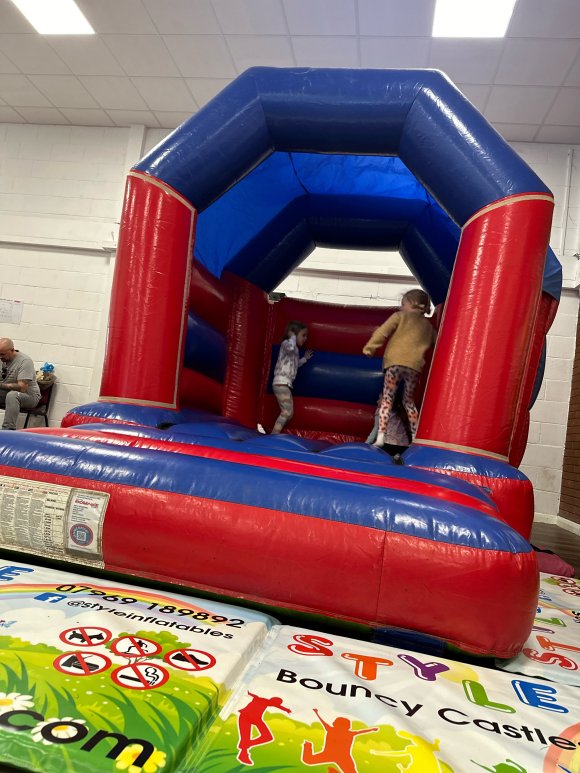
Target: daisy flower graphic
(130,753)
(14,701)
(59,731)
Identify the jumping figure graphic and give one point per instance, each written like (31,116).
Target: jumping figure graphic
(337,749)
(252,716)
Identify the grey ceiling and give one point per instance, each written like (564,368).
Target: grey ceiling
(155,62)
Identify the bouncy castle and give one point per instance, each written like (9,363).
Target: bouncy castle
(171,478)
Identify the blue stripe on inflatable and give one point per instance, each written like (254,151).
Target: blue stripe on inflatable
(441,458)
(349,377)
(205,348)
(199,428)
(354,457)
(339,501)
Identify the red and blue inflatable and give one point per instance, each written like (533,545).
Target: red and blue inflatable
(316,521)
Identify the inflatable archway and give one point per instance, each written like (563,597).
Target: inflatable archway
(218,214)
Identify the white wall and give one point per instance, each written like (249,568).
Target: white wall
(61,192)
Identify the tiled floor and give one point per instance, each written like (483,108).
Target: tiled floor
(560,541)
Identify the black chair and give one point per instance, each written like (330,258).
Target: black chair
(41,409)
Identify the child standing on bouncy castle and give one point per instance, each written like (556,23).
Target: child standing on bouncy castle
(289,361)
(409,336)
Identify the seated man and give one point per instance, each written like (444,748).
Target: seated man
(18,388)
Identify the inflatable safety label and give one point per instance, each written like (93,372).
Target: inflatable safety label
(102,676)
(552,650)
(326,703)
(52,520)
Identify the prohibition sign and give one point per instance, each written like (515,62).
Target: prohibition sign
(85,637)
(190,660)
(135,647)
(140,676)
(81,663)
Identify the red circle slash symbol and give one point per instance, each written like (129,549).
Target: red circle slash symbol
(140,676)
(135,647)
(81,663)
(190,660)
(85,637)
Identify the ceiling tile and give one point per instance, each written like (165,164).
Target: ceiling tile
(113,93)
(141,54)
(43,115)
(468,61)
(86,55)
(201,56)
(573,78)
(183,17)
(63,90)
(6,66)
(394,52)
(477,95)
(320,17)
(166,94)
(87,117)
(564,135)
(171,120)
(325,52)
(413,18)
(261,50)
(251,17)
(536,62)
(130,117)
(18,91)
(541,19)
(566,108)
(204,89)
(8,115)
(117,16)
(519,104)
(11,20)
(32,54)
(516,132)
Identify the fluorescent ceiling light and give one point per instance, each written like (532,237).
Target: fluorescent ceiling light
(55,17)
(472,18)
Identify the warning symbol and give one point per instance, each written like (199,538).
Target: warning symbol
(85,637)
(135,647)
(190,660)
(81,663)
(140,676)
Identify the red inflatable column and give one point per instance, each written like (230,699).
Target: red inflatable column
(483,347)
(147,318)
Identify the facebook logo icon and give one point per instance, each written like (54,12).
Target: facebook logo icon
(50,598)
(8,573)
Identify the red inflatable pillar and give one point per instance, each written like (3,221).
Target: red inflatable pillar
(483,346)
(147,318)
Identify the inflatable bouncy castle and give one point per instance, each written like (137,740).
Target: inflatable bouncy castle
(167,476)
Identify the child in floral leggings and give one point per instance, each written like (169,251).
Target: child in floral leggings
(408,335)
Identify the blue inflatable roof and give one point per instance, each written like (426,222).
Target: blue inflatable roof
(284,160)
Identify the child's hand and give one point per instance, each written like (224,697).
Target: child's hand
(308,354)
(368,350)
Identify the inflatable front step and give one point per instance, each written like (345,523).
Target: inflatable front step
(338,532)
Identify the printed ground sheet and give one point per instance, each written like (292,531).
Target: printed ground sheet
(552,650)
(104,676)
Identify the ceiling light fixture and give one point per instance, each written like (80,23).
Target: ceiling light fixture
(472,18)
(55,17)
